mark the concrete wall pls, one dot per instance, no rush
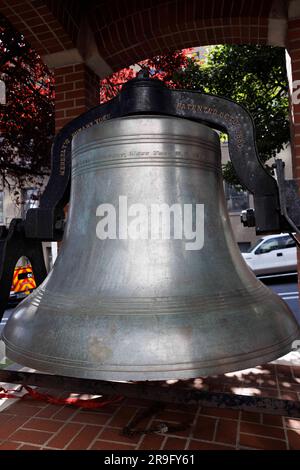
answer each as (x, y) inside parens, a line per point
(10, 211)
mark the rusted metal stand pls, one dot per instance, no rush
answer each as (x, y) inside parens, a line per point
(155, 391)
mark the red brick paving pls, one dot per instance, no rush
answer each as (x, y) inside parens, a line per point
(64, 413)
(293, 423)
(102, 445)
(294, 439)
(220, 412)
(173, 443)
(152, 442)
(85, 417)
(28, 447)
(48, 411)
(198, 445)
(249, 416)
(260, 442)
(115, 435)
(205, 428)
(10, 445)
(262, 430)
(227, 431)
(272, 420)
(39, 424)
(30, 424)
(84, 439)
(65, 435)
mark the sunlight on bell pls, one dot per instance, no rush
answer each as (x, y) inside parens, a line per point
(122, 308)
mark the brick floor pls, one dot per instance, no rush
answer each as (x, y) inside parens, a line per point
(34, 425)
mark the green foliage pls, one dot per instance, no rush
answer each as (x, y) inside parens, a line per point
(253, 76)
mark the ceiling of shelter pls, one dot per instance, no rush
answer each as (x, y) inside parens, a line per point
(110, 34)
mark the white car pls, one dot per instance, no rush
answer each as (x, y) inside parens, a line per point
(272, 254)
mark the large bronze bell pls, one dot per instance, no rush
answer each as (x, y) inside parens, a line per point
(119, 306)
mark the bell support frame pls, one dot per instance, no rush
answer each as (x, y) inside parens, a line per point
(156, 391)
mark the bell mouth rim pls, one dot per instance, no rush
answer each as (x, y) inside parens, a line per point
(129, 373)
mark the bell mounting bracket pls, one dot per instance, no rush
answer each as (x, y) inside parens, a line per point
(277, 203)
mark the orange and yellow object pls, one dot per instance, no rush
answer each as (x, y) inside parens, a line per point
(23, 282)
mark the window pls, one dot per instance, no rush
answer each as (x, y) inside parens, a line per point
(255, 245)
(276, 243)
(30, 199)
(290, 243)
(244, 246)
(236, 200)
(1, 207)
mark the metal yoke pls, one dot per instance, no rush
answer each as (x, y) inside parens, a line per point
(148, 96)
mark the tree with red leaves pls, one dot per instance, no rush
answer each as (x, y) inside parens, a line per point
(27, 118)
(163, 67)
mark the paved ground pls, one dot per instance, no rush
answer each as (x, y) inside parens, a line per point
(5, 318)
(29, 424)
(287, 289)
